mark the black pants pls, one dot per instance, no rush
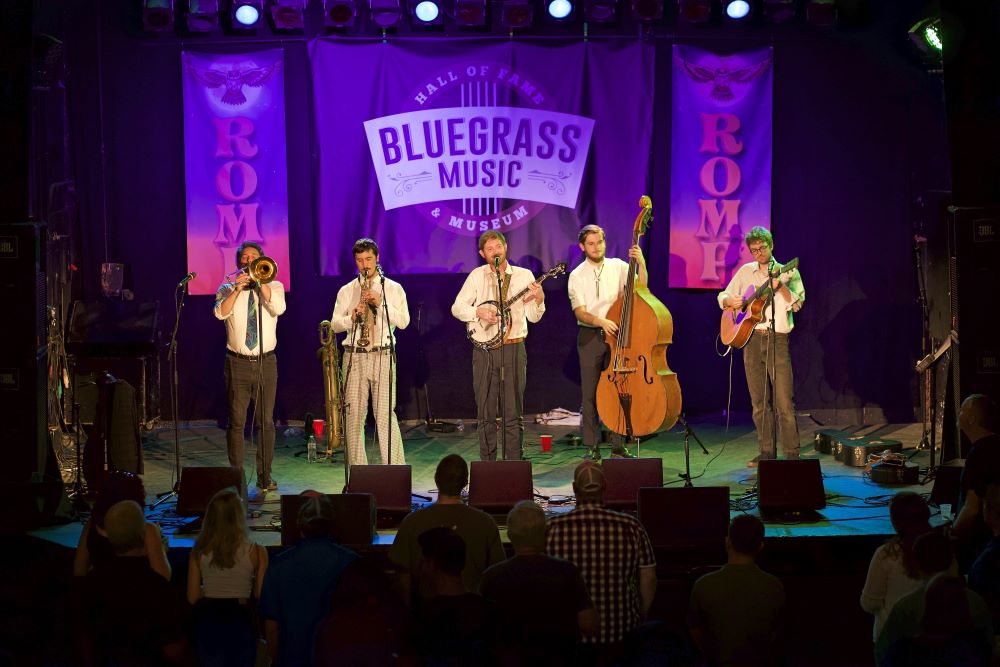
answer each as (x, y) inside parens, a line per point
(242, 380)
(486, 365)
(594, 355)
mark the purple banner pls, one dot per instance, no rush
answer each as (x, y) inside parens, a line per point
(425, 145)
(234, 156)
(720, 174)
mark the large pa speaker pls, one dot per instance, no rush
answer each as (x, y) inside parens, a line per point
(789, 486)
(353, 518)
(199, 484)
(390, 485)
(624, 477)
(948, 484)
(496, 486)
(695, 517)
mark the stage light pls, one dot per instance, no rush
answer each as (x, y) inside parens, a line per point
(647, 10)
(385, 13)
(339, 13)
(247, 14)
(926, 36)
(202, 15)
(288, 14)
(427, 11)
(560, 9)
(737, 9)
(779, 11)
(821, 13)
(516, 14)
(157, 15)
(694, 11)
(470, 12)
(600, 11)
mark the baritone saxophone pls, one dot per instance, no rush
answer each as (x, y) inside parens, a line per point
(332, 394)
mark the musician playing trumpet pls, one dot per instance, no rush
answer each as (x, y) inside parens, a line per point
(481, 285)
(368, 367)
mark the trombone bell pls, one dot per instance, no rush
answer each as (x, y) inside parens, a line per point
(263, 270)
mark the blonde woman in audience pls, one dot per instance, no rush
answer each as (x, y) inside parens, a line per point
(225, 575)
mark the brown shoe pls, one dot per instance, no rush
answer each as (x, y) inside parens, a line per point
(752, 463)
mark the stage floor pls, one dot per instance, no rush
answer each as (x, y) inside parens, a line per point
(855, 505)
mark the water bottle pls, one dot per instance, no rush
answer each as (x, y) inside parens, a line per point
(311, 449)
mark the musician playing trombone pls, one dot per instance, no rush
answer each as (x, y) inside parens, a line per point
(368, 367)
(480, 286)
(767, 363)
(250, 308)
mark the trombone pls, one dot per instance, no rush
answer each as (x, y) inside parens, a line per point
(262, 270)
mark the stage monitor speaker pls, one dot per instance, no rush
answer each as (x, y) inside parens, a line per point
(785, 487)
(391, 485)
(948, 484)
(624, 477)
(496, 486)
(694, 517)
(113, 328)
(114, 441)
(353, 518)
(198, 485)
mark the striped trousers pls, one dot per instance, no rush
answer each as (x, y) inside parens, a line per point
(367, 380)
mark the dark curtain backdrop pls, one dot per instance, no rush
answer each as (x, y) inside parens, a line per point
(858, 138)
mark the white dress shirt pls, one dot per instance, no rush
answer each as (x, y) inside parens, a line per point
(236, 320)
(481, 285)
(348, 298)
(750, 274)
(596, 288)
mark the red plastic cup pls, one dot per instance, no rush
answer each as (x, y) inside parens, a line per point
(546, 442)
(318, 425)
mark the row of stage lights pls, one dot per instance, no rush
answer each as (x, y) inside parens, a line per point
(202, 16)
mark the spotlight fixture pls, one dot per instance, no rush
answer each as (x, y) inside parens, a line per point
(821, 13)
(157, 15)
(339, 13)
(516, 14)
(385, 13)
(288, 14)
(246, 13)
(779, 11)
(647, 10)
(737, 9)
(425, 12)
(202, 15)
(559, 10)
(926, 36)
(694, 11)
(470, 12)
(600, 11)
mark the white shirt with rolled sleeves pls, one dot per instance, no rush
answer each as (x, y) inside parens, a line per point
(597, 289)
(236, 320)
(481, 285)
(750, 274)
(348, 298)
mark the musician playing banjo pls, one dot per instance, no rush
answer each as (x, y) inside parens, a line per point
(759, 366)
(481, 286)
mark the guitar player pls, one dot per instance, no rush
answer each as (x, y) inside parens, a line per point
(766, 357)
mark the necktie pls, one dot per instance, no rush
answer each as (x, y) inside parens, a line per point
(251, 323)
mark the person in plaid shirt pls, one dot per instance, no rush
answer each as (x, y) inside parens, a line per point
(614, 556)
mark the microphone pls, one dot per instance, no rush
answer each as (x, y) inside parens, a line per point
(378, 270)
(188, 278)
(496, 263)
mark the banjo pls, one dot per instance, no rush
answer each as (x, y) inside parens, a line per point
(486, 336)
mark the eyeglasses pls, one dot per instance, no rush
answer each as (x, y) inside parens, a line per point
(758, 250)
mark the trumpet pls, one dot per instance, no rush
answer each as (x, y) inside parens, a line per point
(263, 270)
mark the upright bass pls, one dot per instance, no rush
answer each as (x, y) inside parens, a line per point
(637, 393)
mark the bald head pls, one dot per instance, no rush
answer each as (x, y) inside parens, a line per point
(978, 416)
(125, 525)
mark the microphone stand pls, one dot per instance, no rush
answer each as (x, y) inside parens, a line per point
(771, 370)
(266, 458)
(689, 433)
(503, 337)
(343, 398)
(392, 356)
(175, 392)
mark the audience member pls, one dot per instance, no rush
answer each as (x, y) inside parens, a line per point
(615, 558)
(735, 613)
(984, 575)
(477, 529)
(892, 572)
(225, 574)
(933, 554)
(541, 603)
(454, 625)
(947, 633)
(299, 582)
(131, 614)
(978, 421)
(94, 549)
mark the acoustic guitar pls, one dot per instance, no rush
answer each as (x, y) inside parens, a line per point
(737, 326)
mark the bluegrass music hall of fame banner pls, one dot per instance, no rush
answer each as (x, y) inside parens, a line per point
(235, 162)
(424, 145)
(720, 174)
